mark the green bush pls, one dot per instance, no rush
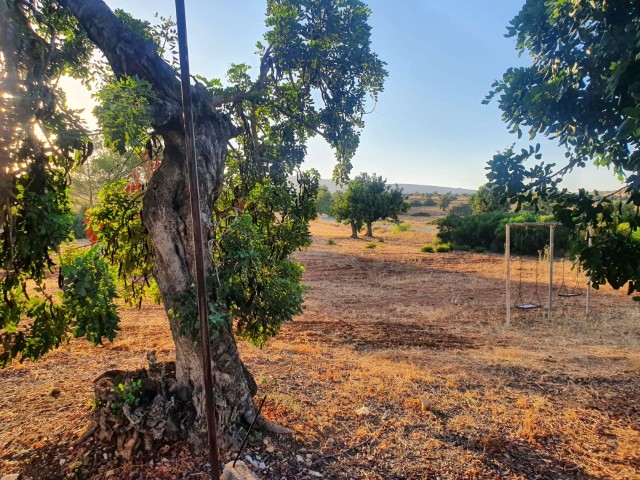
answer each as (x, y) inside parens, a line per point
(487, 230)
(78, 225)
(462, 210)
(463, 248)
(444, 248)
(370, 245)
(479, 249)
(402, 227)
(427, 249)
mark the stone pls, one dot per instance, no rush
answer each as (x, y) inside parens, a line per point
(13, 476)
(239, 472)
(363, 411)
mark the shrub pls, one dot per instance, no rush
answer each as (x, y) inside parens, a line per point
(479, 249)
(444, 248)
(487, 230)
(473, 230)
(427, 249)
(370, 245)
(420, 214)
(462, 210)
(463, 248)
(402, 227)
(78, 225)
(331, 241)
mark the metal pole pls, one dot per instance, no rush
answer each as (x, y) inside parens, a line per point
(198, 244)
(588, 307)
(507, 252)
(552, 230)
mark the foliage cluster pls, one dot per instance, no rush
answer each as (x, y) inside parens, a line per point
(487, 231)
(445, 200)
(426, 200)
(324, 201)
(582, 90)
(402, 227)
(116, 224)
(127, 393)
(84, 307)
(317, 74)
(368, 198)
(488, 198)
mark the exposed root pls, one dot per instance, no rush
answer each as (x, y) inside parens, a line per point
(136, 409)
(90, 430)
(269, 426)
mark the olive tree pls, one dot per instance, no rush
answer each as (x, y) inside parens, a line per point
(316, 73)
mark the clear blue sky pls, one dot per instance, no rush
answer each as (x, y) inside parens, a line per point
(429, 126)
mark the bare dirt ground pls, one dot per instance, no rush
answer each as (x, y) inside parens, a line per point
(400, 368)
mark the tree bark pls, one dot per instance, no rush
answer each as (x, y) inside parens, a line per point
(166, 209)
(369, 230)
(354, 230)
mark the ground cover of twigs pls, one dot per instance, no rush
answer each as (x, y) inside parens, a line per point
(400, 368)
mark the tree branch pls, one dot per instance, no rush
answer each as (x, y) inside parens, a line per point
(129, 54)
(265, 65)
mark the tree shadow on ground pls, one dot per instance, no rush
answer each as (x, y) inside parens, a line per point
(368, 336)
(509, 457)
(617, 396)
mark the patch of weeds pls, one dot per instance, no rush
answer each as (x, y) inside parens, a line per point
(444, 248)
(380, 240)
(268, 381)
(370, 245)
(427, 249)
(331, 241)
(256, 436)
(402, 227)
(127, 393)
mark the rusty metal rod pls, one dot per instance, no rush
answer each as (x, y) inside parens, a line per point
(246, 438)
(198, 244)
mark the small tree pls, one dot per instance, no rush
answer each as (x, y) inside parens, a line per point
(324, 200)
(347, 207)
(392, 204)
(368, 198)
(488, 198)
(445, 201)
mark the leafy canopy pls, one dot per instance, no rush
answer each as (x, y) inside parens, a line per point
(367, 199)
(581, 89)
(317, 76)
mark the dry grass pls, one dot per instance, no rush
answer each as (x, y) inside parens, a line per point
(400, 368)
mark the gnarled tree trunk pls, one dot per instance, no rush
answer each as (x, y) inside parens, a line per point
(166, 208)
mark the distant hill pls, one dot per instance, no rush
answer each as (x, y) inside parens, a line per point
(409, 188)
